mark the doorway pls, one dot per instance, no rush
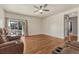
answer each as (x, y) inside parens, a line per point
(70, 26)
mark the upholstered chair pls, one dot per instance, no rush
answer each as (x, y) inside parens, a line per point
(1, 38)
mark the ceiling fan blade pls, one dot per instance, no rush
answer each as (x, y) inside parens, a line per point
(45, 5)
(36, 11)
(41, 12)
(46, 10)
(36, 7)
(40, 7)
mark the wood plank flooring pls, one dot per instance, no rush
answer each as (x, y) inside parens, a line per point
(41, 44)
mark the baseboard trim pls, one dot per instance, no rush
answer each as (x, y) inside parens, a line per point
(45, 35)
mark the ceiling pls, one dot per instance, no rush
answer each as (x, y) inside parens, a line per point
(28, 9)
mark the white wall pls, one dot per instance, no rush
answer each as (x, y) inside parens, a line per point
(34, 25)
(1, 18)
(54, 25)
(33, 22)
(78, 25)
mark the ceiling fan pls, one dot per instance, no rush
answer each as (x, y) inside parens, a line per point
(41, 8)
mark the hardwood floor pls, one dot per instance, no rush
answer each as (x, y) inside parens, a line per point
(41, 44)
(71, 38)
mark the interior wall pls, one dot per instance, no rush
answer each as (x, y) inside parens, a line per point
(78, 25)
(34, 25)
(54, 25)
(1, 18)
(33, 22)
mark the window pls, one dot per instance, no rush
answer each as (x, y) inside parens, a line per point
(15, 27)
